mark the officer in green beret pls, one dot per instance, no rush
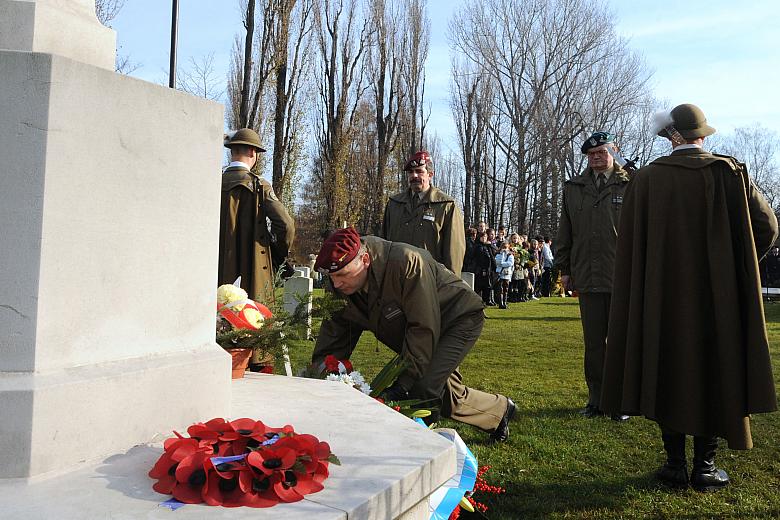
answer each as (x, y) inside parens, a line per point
(247, 248)
(687, 341)
(585, 251)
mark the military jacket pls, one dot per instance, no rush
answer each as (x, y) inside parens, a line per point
(246, 246)
(587, 231)
(434, 224)
(408, 301)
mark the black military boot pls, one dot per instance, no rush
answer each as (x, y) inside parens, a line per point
(705, 476)
(491, 301)
(675, 472)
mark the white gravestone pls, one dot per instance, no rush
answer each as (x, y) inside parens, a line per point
(297, 289)
(107, 247)
(468, 278)
(302, 271)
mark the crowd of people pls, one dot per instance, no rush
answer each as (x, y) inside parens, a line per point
(508, 267)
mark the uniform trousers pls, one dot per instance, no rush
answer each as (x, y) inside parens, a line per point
(443, 381)
(594, 311)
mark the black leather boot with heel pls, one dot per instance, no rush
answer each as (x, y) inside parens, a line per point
(675, 472)
(705, 477)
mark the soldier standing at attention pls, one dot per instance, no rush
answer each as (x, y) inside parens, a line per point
(426, 217)
(585, 252)
(419, 309)
(246, 247)
(687, 339)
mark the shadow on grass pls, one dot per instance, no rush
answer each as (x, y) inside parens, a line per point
(550, 413)
(570, 499)
(534, 318)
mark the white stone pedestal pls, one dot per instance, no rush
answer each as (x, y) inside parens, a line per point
(67, 28)
(390, 464)
(109, 212)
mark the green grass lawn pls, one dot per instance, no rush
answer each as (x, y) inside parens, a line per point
(558, 464)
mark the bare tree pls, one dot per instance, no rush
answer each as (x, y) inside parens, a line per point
(107, 10)
(557, 72)
(415, 45)
(291, 47)
(250, 67)
(758, 148)
(384, 70)
(200, 79)
(341, 41)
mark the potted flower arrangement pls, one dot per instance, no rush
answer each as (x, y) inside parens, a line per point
(242, 327)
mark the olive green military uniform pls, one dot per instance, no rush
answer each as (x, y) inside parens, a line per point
(246, 246)
(586, 239)
(429, 316)
(434, 223)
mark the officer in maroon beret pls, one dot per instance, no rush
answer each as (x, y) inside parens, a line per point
(426, 217)
(419, 309)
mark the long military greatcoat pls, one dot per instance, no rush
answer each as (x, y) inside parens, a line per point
(687, 342)
(246, 246)
(435, 224)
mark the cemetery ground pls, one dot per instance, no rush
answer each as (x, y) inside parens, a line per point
(559, 465)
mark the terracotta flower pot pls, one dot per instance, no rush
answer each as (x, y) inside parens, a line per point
(240, 361)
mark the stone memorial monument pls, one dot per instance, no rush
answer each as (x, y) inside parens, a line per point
(108, 279)
(109, 221)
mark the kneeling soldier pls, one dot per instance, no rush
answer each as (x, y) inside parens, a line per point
(419, 309)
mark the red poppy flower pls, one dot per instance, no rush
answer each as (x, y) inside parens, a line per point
(244, 428)
(294, 485)
(192, 475)
(176, 450)
(211, 430)
(224, 488)
(347, 365)
(258, 489)
(272, 459)
(331, 363)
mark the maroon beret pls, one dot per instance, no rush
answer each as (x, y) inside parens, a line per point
(338, 250)
(421, 158)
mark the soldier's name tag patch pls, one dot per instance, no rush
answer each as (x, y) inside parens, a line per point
(428, 216)
(392, 311)
(617, 199)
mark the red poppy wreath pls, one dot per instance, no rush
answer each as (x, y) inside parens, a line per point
(241, 463)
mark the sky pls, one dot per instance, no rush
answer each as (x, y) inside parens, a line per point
(721, 55)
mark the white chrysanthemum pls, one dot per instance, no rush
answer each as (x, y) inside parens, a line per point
(230, 293)
(332, 377)
(254, 317)
(358, 378)
(364, 387)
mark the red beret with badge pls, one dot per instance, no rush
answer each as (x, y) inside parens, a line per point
(421, 158)
(338, 250)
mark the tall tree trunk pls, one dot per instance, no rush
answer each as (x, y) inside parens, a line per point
(249, 24)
